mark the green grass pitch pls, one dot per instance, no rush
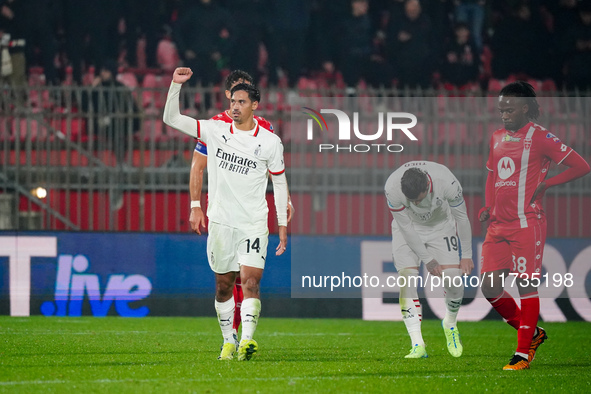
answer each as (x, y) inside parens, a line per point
(170, 355)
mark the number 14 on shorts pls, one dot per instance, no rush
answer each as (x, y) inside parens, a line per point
(254, 245)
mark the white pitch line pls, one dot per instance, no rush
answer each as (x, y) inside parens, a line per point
(239, 379)
(272, 334)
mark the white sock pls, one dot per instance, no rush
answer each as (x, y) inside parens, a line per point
(410, 306)
(225, 311)
(525, 356)
(250, 312)
(453, 296)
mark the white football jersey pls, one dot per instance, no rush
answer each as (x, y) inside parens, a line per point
(434, 210)
(237, 165)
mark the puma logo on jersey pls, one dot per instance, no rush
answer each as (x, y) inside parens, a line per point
(225, 139)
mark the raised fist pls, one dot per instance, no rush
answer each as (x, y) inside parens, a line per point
(182, 74)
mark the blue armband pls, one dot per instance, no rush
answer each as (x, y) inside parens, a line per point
(201, 148)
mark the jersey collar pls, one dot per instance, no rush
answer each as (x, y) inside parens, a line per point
(524, 129)
(254, 132)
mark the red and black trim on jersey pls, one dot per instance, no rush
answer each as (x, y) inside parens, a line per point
(276, 173)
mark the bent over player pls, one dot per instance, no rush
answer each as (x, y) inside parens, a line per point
(430, 225)
(241, 155)
(518, 162)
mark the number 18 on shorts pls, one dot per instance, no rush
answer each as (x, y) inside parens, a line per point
(518, 250)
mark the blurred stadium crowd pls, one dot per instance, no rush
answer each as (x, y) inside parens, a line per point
(453, 44)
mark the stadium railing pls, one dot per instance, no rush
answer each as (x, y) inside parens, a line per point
(138, 181)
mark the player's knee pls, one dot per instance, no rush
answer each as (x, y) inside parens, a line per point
(526, 288)
(453, 283)
(250, 285)
(492, 284)
(490, 291)
(223, 289)
(408, 272)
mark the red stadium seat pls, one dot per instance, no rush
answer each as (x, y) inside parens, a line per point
(128, 79)
(36, 76)
(88, 76)
(26, 128)
(38, 95)
(486, 59)
(6, 130)
(495, 85)
(69, 76)
(167, 55)
(451, 133)
(70, 126)
(140, 50)
(155, 90)
(571, 131)
(153, 130)
(149, 84)
(548, 85)
(537, 84)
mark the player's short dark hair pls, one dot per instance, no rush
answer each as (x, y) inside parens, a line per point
(253, 92)
(414, 182)
(525, 90)
(236, 76)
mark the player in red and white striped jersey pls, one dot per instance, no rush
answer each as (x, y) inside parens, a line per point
(518, 162)
(199, 164)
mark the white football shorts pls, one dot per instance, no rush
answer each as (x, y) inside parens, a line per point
(228, 248)
(442, 242)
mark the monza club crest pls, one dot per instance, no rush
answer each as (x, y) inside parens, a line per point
(527, 143)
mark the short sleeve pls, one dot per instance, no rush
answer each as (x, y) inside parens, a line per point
(395, 204)
(276, 164)
(393, 207)
(554, 148)
(453, 192)
(204, 127)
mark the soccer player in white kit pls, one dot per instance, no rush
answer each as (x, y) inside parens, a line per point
(241, 154)
(429, 213)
